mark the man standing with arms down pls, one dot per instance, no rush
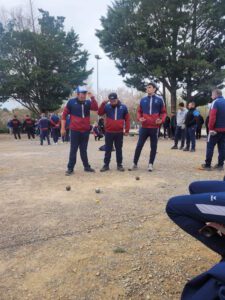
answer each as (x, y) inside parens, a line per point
(79, 110)
(117, 120)
(180, 129)
(216, 131)
(151, 113)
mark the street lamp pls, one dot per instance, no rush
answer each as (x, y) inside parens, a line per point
(97, 58)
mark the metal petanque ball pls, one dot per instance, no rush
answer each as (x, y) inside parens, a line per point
(137, 178)
(68, 187)
(97, 190)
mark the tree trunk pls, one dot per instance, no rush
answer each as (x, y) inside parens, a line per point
(173, 93)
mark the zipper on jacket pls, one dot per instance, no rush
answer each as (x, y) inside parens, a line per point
(150, 106)
(82, 107)
(116, 113)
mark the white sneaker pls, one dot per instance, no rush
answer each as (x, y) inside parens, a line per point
(150, 167)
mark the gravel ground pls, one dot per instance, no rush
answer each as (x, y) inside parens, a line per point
(77, 244)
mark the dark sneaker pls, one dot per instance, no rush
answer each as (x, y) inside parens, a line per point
(174, 147)
(120, 168)
(69, 172)
(133, 168)
(104, 168)
(89, 169)
(205, 167)
(185, 149)
(218, 167)
(192, 150)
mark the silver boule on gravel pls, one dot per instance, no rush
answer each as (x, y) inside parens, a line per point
(137, 178)
(97, 191)
(68, 187)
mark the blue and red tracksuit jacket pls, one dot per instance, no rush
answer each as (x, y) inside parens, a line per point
(117, 117)
(15, 123)
(217, 115)
(79, 113)
(55, 121)
(151, 108)
(28, 123)
(44, 124)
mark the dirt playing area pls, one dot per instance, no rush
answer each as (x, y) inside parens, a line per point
(118, 244)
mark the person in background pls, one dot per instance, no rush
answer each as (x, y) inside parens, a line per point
(191, 125)
(216, 131)
(180, 129)
(66, 137)
(166, 127)
(15, 124)
(200, 122)
(44, 127)
(28, 126)
(173, 125)
(55, 127)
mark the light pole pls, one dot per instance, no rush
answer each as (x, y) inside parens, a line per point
(97, 58)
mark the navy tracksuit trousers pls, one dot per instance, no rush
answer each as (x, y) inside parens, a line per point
(78, 140)
(44, 134)
(55, 134)
(205, 204)
(116, 139)
(144, 133)
(218, 139)
(190, 137)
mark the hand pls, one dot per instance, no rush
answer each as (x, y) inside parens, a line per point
(90, 94)
(212, 132)
(158, 121)
(142, 119)
(63, 132)
(126, 133)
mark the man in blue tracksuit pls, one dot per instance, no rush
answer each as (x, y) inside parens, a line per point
(206, 203)
(55, 127)
(151, 113)
(117, 125)
(191, 126)
(216, 131)
(44, 126)
(79, 110)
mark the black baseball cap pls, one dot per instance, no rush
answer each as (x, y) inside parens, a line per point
(112, 96)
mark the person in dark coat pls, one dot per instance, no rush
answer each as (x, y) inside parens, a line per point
(200, 122)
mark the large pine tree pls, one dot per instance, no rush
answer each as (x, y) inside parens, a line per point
(179, 42)
(39, 69)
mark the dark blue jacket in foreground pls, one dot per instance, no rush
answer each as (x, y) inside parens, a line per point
(207, 286)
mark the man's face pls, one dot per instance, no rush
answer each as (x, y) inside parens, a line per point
(214, 96)
(181, 107)
(114, 102)
(191, 105)
(82, 96)
(150, 90)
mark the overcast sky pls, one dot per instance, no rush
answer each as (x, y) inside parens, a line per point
(84, 17)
